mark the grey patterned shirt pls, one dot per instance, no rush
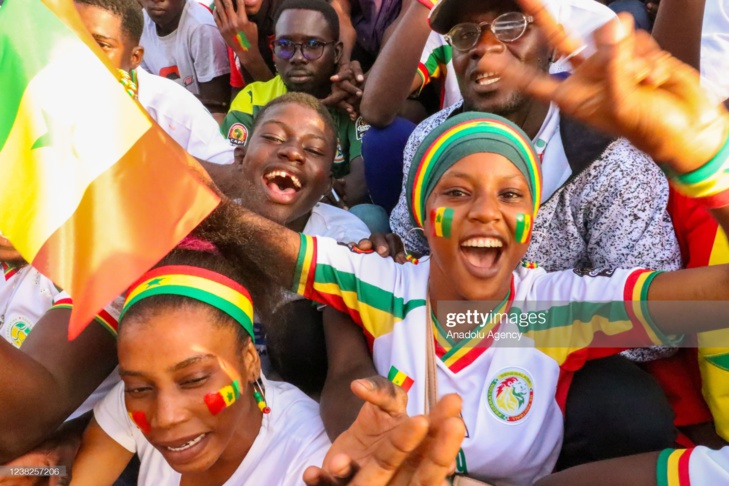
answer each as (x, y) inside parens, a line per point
(612, 215)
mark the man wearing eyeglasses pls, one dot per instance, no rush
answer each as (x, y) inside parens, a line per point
(306, 53)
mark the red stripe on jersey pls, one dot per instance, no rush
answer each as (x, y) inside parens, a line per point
(684, 478)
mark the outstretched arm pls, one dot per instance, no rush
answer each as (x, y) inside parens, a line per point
(631, 88)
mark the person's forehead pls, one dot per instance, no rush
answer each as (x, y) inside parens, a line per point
(295, 116)
(100, 21)
(308, 23)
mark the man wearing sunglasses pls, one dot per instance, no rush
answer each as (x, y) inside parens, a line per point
(306, 53)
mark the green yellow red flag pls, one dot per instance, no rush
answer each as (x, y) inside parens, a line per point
(93, 192)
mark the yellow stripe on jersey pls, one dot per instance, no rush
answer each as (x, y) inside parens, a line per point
(375, 321)
(304, 265)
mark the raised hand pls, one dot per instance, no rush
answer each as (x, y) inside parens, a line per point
(630, 88)
(242, 36)
(386, 447)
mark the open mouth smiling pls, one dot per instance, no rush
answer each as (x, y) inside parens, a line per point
(482, 254)
(283, 186)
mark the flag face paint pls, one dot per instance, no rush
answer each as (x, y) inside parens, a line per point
(400, 379)
(223, 398)
(140, 418)
(442, 221)
(523, 227)
(242, 41)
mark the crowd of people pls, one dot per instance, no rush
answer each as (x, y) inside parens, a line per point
(462, 241)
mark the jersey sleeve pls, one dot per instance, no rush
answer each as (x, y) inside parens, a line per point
(594, 313)
(111, 414)
(350, 135)
(238, 123)
(366, 286)
(436, 55)
(108, 317)
(209, 53)
(699, 465)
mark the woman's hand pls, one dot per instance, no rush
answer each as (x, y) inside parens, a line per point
(386, 447)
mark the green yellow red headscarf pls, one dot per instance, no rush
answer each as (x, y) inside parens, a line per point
(196, 283)
(463, 135)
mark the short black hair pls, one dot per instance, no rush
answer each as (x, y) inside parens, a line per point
(130, 12)
(307, 101)
(322, 6)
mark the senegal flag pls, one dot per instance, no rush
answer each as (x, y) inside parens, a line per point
(93, 192)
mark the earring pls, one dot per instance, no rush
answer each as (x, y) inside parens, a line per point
(523, 227)
(408, 256)
(442, 220)
(260, 395)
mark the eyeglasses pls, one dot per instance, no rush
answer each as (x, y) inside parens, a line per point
(311, 49)
(507, 27)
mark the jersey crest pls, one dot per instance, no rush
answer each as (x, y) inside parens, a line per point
(510, 395)
(361, 127)
(238, 134)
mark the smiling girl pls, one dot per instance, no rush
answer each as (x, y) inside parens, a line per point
(195, 408)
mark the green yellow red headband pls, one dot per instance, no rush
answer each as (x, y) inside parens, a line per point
(460, 136)
(196, 283)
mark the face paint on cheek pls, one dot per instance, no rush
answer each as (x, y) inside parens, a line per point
(223, 398)
(523, 227)
(442, 221)
(140, 418)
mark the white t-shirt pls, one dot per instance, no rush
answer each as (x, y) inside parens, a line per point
(194, 53)
(715, 48)
(333, 222)
(184, 118)
(25, 296)
(291, 438)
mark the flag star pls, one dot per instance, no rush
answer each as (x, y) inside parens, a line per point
(155, 282)
(58, 134)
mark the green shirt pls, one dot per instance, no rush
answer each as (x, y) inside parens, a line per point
(238, 124)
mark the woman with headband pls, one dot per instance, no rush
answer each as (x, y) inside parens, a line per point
(195, 407)
(474, 192)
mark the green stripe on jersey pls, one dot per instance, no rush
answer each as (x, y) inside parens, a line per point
(366, 293)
